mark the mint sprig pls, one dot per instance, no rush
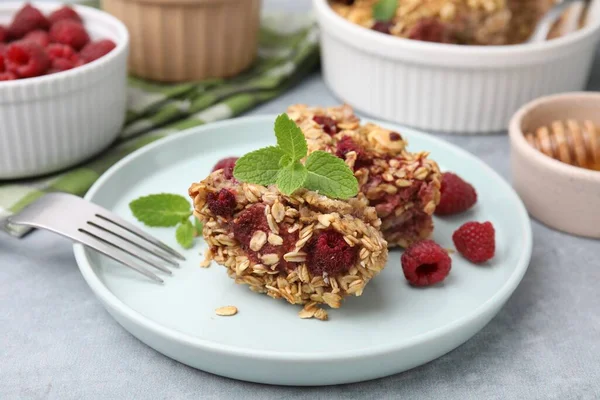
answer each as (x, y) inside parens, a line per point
(281, 165)
(385, 10)
(168, 210)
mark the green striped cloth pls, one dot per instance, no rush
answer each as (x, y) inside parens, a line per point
(288, 51)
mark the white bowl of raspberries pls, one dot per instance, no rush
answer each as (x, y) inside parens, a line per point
(63, 80)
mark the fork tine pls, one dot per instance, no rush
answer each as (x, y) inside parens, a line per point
(166, 257)
(90, 240)
(110, 238)
(138, 232)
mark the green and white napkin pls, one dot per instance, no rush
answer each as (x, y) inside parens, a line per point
(288, 51)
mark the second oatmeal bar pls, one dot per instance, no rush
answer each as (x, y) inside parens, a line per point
(403, 187)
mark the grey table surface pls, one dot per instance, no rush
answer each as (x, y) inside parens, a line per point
(58, 342)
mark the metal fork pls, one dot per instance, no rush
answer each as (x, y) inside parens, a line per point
(99, 229)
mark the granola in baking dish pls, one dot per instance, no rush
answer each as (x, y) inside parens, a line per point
(305, 248)
(474, 22)
(403, 187)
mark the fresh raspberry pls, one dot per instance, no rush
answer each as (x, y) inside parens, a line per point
(383, 27)
(62, 57)
(40, 37)
(3, 47)
(94, 50)
(69, 32)
(250, 220)
(328, 124)
(222, 203)
(26, 20)
(26, 59)
(425, 263)
(430, 30)
(65, 12)
(475, 241)
(7, 76)
(227, 165)
(328, 252)
(3, 34)
(456, 195)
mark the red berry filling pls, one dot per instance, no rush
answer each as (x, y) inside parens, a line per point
(457, 196)
(476, 241)
(94, 50)
(227, 165)
(383, 27)
(65, 12)
(425, 263)
(39, 37)
(430, 30)
(347, 145)
(328, 124)
(395, 136)
(69, 32)
(26, 59)
(26, 20)
(222, 203)
(329, 253)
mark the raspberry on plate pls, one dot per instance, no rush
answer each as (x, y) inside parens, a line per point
(475, 241)
(62, 57)
(3, 34)
(26, 59)
(62, 13)
(69, 32)
(425, 263)
(39, 36)
(26, 20)
(94, 50)
(457, 196)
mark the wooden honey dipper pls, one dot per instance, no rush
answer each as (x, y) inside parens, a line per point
(572, 142)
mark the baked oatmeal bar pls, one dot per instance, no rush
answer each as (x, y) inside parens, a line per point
(474, 22)
(305, 248)
(403, 187)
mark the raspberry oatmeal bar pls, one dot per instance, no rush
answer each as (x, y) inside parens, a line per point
(306, 248)
(403, 187)
(474, 22)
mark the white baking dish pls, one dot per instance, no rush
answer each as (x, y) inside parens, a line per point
(445, 87)
(54, 121)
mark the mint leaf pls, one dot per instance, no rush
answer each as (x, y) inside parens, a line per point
(291, 178)
(161, 209)
(385, 10)
(330, 176)
(290, 138)
(260, 166)
(185, 234)
(198, 226)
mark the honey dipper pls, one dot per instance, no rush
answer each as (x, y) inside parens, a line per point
(572, 142)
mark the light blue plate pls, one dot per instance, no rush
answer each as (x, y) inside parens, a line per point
(391, 328)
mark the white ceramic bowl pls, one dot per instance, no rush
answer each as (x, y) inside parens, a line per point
(560, 195)
(443, 87)
(52, 122)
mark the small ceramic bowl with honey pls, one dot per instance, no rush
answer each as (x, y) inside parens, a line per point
(555, 161)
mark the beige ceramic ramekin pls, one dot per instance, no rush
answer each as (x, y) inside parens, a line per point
(182, 40)
(561, 196)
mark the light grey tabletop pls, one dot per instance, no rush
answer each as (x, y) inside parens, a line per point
(58, 342)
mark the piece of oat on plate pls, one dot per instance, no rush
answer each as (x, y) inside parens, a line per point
(403, 187)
